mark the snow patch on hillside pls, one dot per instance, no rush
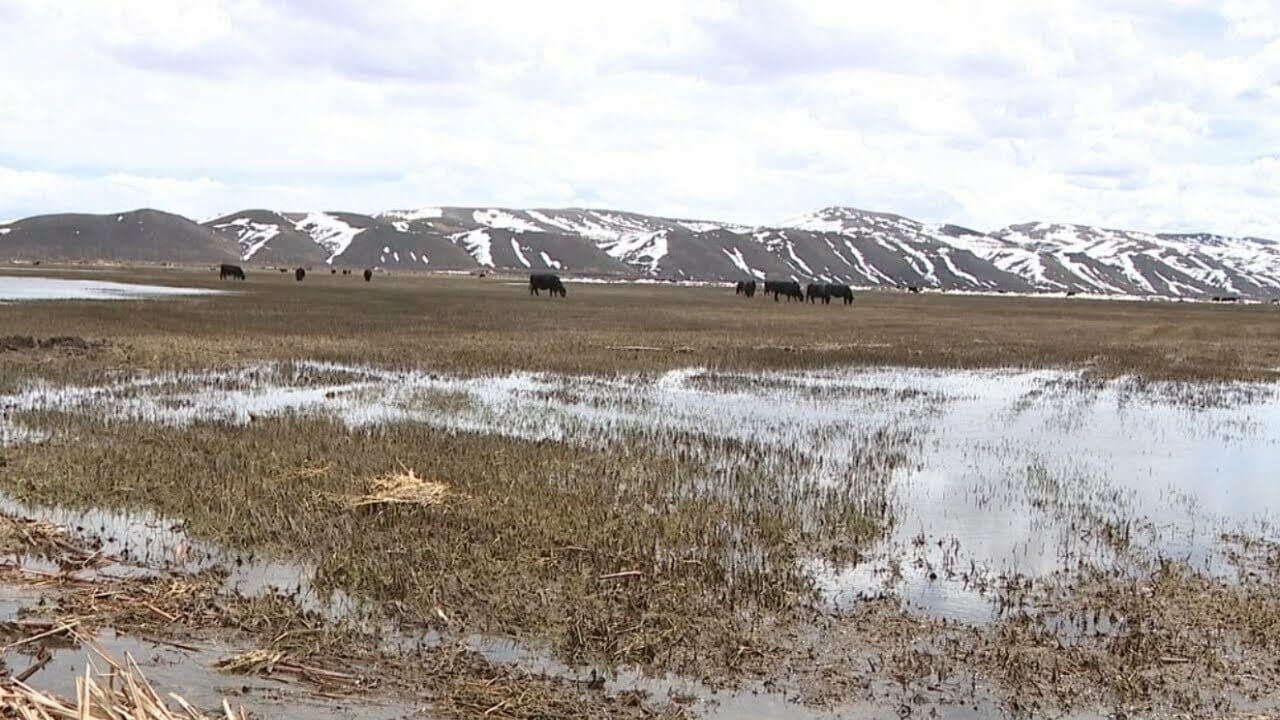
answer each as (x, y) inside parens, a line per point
(515, 248)
(329, 232)
(740, 262)
(252, 236)
(646, 249)
(550, 261)
(476, 242)
(503, 220)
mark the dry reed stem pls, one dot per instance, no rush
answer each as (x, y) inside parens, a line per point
(121, 692)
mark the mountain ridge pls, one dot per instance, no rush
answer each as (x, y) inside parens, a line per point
(833, 244)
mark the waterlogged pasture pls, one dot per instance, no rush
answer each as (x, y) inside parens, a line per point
(866, 540)
(979, 475)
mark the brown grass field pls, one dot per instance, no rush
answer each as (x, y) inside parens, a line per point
(469, 324)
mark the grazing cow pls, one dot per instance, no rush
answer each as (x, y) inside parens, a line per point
(333, 271)
(745, 287)
(1071, 293)
(299, 274)
(230, 271)
(790, 288)
(546, 281)
(817, 291)
(368, 274)
(913, 289)
(837, 290)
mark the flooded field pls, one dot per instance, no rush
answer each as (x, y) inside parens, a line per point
(942, 523)
(22, 289)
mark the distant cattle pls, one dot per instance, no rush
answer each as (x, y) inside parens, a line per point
(333, 271)
(815, 292)
(368, 274)
(745, 287)
(913, 289)
(837, 290)
(284, 270)
(790, 288)
(230, 271)
(1072, 293)
(299, 274)
(546, 281)
(1226, 298)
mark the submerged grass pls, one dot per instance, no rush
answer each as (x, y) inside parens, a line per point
(637, 554)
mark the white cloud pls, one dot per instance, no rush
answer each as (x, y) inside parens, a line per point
(1154, 115)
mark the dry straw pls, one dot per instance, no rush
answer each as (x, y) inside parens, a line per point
(403, 487)
(119, 693)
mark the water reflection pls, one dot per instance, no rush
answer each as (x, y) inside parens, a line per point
(19, 289)
(1009, 475)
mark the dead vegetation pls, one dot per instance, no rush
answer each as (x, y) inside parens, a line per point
(472, 325)
(120, 692)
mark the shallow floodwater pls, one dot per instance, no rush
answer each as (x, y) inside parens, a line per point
(19, 289)
(1004, 475)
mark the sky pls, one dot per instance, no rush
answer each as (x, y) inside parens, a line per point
(1159, 115)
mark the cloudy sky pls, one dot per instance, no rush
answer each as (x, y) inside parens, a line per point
(1148, 114)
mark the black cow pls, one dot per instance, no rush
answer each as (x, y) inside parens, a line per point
(299, 274)
(817, 291)
(790, 288)
(546, 281)
(1226, 298)
(746, 287)
(230, 271)
(333, 271)
(913, 289)
(368, 274)
(837, 290)
(284, 270)
(1071, 293)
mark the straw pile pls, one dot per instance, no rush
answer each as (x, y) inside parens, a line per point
(120, 693)
(399, 488)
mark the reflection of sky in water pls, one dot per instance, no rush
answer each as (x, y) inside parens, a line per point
(1014, 474)
(18, 289)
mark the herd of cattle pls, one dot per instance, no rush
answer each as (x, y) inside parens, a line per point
(791, 290)
(235, 272)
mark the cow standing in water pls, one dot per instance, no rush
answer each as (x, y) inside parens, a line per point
(299, 274)
(546, 281)
(230, 271)
(836, 290)
(818, 291)
(368, 274)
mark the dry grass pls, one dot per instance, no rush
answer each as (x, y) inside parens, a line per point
(402, 487)
(472, 325)
(121, 692)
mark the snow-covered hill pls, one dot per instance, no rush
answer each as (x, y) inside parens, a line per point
(843, 244)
